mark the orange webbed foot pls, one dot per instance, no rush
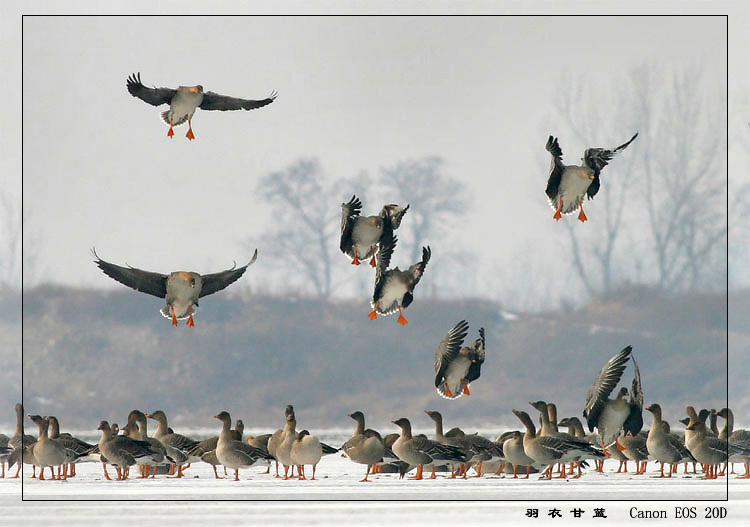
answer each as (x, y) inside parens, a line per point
(190, 321)
(372, 315)
(448, 392)
(356, 261)
(170, 133)
(372, 260)
(466, 388)
(557, 215)
(190, 134)
(401, 319)
(582, 216)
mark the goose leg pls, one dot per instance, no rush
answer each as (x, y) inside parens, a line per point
(355, 261)
(236, 474)
(557, 215)
(189, 133)
(190, 321)
(582, 215)
(366, 474)
(174, 317)
(401, 319)
(170, 133)
(374, 313)
(433, 476)
(466, 387)
(746, 475)
(314, 467)
(372, 260)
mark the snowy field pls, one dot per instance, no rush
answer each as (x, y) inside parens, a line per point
(88, 499)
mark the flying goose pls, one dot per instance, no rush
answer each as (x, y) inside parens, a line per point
(569, 184)
(365, 446)
(184, 100)
(236, 454)
(420, 451)
(608, 416)
(181, 289)
(394, 289)
(456, 366)
(362, 235)
(306, 450)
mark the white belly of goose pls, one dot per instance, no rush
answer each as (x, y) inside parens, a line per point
(574, 183)
(455, 372)
(392, 295)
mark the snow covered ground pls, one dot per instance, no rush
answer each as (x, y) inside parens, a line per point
(88, 499)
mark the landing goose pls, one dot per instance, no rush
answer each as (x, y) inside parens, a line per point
(236, 454)
(181, 289)
(569, 184)
(361, 448)
(394, 289)
(456, 366)
(306, 450)
(608, 416)
(421, 451)
(362, 235)
(184, 100)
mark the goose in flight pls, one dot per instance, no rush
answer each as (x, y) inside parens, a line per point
(394, 288)
(181, 289)
(362, 235)
(569, 184)
(456, 366)
(184, 100)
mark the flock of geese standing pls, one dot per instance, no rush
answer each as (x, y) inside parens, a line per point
(618, 421)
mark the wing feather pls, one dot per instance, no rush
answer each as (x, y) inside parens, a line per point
(448, 349)
(603, 385)
(349, 213)
(634, 422)
(475, 368)
(154, 96)
(217, 281)
(143, 281)
(381, 270)
(556, 168)
(214, 101)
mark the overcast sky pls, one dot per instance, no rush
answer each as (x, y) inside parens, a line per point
(358, 93)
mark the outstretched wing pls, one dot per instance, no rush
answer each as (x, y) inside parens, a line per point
(392, 215)
(597, 159)
(154, 96)
(143, 281)
(217, 281)
(384, 260)
(416, 271)
(214, 101)
(349, 212)
(556, 168)
(448, 349)
(634, 422)
(603, 385)
(475, 368)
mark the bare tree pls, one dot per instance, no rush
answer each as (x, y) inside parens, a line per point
(674, 179)
(303, 236)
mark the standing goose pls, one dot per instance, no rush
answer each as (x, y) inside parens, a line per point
(394, 289)
(122, 451)
(456, 366)
(306, 450)
(661, 445)
(184, 100)
(80, 447)
(362, 235)
(206, 449)
(634, 448)
(515, 453)
(284, 449)
(275, 440)
(177, 445)
(608, 416)
(236, 454)
(735, 437)
(18, 442)
(138, 424)
(458, 441)
(711, 451)
(181, 289)
(420, 451)
(364, 448)
(569, 184)
(50, 452)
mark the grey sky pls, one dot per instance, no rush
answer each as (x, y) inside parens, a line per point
(357, 93)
